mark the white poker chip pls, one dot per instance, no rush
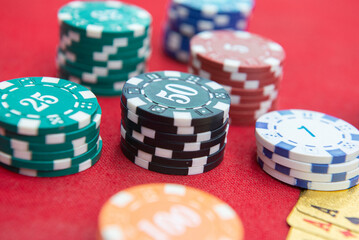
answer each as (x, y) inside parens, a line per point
(308, 167)
(308, 136)
(308, 176)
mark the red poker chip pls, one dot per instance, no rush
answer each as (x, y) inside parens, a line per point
(236, 51)
(241, 122)
(210, 69)
(248, 84)
(237, 108)
(237, 99)
(249, 114)
(264, 91)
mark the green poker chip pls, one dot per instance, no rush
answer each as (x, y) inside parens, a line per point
(40, 105)
(103, 59)
(9, 143)
(105, 91)
(7, 153)
(116, 86)
(82, 166)
(71, 35)
(56, 138)
(84, 48)
(92, 78)
(104, 19)
(123, 67)
(52, 165)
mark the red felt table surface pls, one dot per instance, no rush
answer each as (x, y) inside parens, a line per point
(321, 73)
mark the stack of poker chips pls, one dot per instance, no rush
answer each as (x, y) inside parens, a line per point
(247, 65)
(187, 18)
(184, 213)
(308, 149)
(102, 44)
(174, 122)
(49, 127)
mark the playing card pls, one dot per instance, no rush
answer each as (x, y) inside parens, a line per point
(318, 227)
(296, 234)
(340, 208)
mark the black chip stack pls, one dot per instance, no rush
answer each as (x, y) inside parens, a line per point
(174, 122)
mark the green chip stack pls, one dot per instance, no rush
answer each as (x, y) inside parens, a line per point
(49, 127)
(102, 44)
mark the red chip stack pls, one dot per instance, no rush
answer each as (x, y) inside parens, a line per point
(247, 65)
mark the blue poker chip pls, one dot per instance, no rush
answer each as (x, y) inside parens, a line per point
(308, 136)
(191, 26)
(176, 98)
(312, 185)
(180, 56)
(212, 8)
(176, 45)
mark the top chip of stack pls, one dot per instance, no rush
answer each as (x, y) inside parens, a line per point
(174, 122)
(49, 127)
(308, 149)
(247, 65)
(132, 215)
(102, 44)
(187, 18)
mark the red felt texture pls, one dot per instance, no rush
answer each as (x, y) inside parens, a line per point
(320, 73)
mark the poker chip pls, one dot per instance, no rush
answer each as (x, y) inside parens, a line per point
(308, 167)
(8, 143)
(312, 185)
(163, 136)
(132, 153)
(102, 44)
(194, 214)
(192, 146)
(174, 122)
(58, 173)
(144, 122)
(247, 65)
(57, 164)
(317, 177)
(172, 170)
(46, 155)
(176, 98)
(187, 18)
(308, 149)
(49, 127)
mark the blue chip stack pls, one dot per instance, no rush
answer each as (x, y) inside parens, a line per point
(186, 18)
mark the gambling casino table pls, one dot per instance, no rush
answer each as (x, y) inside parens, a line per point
(320, 73)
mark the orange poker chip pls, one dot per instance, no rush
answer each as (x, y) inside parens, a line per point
(166, 212)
